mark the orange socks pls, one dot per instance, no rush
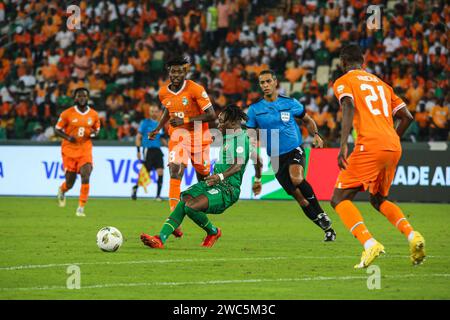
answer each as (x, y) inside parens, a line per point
(354, 222)
(174, 193)
(84, 194)
(395, 216)
(64, 188)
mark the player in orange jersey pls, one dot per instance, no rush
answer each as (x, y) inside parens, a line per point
(188, 110)
(77, 126)
(372, 106)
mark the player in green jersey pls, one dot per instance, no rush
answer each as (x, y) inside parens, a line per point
(219, 191)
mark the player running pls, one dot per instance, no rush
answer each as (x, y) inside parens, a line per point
(188, 110)
(77, 126)
(371, 104)
(153, 156)
(276, 115)
(217, 192)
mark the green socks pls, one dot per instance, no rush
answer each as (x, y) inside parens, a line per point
(173, 221)
(201, 220)
(177, 216)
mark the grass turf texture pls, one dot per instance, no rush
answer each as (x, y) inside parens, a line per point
(269, 250)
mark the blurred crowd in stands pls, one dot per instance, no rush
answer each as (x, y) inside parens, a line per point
(119, 49)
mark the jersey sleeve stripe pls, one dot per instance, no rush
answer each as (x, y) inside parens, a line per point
(401, 105)
(345, 95)
(58, 127)
(207, 106)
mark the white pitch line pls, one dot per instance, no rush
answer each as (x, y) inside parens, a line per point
(218, 282)
(57, 265)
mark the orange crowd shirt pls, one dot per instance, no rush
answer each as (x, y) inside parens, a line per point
(188, 102)
(375, 105)
(79, 125)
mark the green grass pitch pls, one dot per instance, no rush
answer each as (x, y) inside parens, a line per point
(269, 250)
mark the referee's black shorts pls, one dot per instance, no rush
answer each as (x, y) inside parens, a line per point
(153, 158)
(295, 156)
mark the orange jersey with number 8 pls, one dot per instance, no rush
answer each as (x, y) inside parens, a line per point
(375, 105)
(80, 126)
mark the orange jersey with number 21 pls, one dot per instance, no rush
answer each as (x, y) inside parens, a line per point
(375, 104)
(377, 151)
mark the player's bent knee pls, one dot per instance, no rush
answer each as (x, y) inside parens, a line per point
(376, 201)
(296, 181)
(186, 198)
(335, 200)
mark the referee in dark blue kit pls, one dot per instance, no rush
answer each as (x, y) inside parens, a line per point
(153, 156)
(274, 115)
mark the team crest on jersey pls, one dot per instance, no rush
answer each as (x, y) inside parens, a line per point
(340, 88)
(184, 101)
(204, 95)
(213, 191)
(285, 116)
(89, 121)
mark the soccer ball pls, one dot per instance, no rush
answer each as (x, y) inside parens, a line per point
(109, 239)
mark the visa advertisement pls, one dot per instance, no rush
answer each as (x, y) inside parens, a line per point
(37, 171)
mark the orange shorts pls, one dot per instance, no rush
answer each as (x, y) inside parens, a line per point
(373, 171)
(73, 164)
(181, 153)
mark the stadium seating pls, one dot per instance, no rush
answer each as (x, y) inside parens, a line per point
(322, 75)
(37, 50)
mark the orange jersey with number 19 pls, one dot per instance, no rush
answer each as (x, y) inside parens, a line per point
(375, 104)
(188, 102)
(79, 125)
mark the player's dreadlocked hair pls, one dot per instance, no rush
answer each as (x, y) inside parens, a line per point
(234, 114)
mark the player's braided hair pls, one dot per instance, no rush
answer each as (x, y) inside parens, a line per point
(234, 114)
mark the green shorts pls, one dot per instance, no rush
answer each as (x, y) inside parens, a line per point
(220, 197)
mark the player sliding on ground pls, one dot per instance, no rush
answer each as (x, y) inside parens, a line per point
(371, 104)
(77, 126)
(217, 192)
(188, 109)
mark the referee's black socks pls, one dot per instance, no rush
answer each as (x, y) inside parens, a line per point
(314, 211)
(160, 183)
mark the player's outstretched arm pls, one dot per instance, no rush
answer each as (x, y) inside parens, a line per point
(63, 135)
(348, 110)
(405, 118)
(312, 129)
(162, 122)
(216, 178)
(138, 143)
(257, 185)
(209, 115)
